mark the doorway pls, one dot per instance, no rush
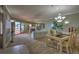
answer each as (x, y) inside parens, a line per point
(19, 27)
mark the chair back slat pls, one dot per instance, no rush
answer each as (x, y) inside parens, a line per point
(73, 36)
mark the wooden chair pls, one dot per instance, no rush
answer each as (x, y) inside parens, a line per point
(74, 36)
(68, 44)
(71, 43)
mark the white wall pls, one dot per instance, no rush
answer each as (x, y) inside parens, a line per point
(73, 19)
(6, 28)
(0, 24)
(48, 26)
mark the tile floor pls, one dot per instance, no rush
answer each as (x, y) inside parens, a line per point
(24, 44)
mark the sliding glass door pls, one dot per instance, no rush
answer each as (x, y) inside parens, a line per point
(19, 27)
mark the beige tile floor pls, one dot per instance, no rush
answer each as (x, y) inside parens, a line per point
(28, 45)
(34, 46)
(17, 49)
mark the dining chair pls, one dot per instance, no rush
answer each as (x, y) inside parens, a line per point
(74, 36)
(67, 43)
(71, 43)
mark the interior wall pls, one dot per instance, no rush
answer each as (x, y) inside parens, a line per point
(1, 32)
(1, 29)
(1, 24)
(6, 28)
(48, 25)
(73, 22)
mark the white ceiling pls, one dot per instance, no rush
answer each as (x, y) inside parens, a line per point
(40, 13)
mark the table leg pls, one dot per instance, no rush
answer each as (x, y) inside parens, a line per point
(60, 51)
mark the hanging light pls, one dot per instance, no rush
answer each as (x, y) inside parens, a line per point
(59, 18)
(66, 22)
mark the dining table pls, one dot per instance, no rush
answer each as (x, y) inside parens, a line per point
(60, 40)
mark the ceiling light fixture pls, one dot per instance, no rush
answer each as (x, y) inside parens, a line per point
(66, 22)
(59, 18)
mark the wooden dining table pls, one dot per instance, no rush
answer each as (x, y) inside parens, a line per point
(60, 40)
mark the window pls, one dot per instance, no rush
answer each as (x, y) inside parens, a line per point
(22, 27)
(17, 27)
